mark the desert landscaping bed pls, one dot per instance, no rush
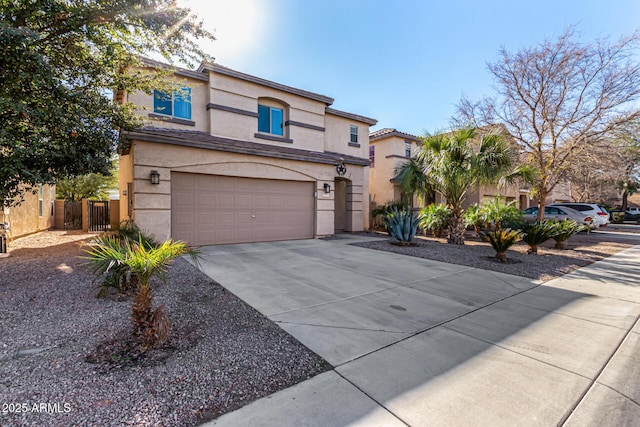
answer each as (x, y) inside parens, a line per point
(550, 263)
(62, 347)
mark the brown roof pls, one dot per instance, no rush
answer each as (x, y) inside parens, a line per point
(389, 132)
(196, 139)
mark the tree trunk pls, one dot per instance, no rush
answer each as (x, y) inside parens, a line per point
(542, 196)
(456, 228)
(502, 256)
(560, 244)
(533, 249)
(625, 200)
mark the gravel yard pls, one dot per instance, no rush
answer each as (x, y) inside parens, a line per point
(582, 249)
(66, 358)
(62, 347)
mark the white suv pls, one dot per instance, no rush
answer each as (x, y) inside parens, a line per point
(601, 218)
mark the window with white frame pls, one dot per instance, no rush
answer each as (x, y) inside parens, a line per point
(407, 149)
(353, 130)
(372, 156)
(174, 104)
(271, 120)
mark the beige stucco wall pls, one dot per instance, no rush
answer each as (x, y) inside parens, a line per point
(337, 136)
(199, 101)
(240, 94)
(125, 175)
(25, 219)
(152, 203)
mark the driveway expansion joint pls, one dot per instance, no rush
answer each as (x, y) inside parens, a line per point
(339, 327)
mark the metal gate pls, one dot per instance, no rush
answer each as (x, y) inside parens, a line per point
(98, 216)
(73, 215)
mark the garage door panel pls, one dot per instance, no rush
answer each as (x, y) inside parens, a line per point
(211, 209)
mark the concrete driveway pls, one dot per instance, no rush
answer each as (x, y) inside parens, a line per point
(418, 342)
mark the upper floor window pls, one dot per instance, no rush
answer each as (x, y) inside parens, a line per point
(372, 155)
(407, 149)
(174, 104)
(270, 120)
(353, 130)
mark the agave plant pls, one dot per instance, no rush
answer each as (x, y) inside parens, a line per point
(380, 212)
(501, 240)
(565, 229)
(402, 225)
(538, 233)
(435, 218)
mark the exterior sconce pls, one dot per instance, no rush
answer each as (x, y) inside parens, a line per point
(327, 188)
(155, 177)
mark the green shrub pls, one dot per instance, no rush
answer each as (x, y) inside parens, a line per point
(473, 217)
(538, 233)
(402, 226)
(618, 217)
(565, 229)
(501, 240)
(435, 218)
(497, 214)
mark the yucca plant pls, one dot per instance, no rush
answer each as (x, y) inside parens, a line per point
(538, 233)
(435, 218)
(565, 229)
(402, 226)
(501, 240)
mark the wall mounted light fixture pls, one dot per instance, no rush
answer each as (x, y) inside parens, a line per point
(155, 177)
(327, 188)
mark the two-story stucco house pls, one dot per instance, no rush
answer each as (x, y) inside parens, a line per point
(233, 158)
(389, 148)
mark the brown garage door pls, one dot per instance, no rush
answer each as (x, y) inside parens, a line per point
(213, 210)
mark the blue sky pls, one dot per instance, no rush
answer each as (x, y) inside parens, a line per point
(404, 63)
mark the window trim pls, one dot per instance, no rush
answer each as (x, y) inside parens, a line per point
(175, 118)
(352, 134)
(372, 156)
(407, 149)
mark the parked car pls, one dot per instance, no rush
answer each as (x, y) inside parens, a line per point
(559, 213)
(627, 215)
(633, 210)
(600, 216)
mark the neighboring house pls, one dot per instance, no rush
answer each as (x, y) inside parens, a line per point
(35, 212)
(234, 158)
(389, 148)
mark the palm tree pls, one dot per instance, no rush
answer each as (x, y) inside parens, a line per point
(457, 162)
(410, 177)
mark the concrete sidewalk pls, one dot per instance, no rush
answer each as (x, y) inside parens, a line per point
(418, 342)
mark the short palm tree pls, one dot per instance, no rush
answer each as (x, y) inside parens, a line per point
(565, 229)
(501, 240)
(538, 233)
(456, 163)
(142, 261)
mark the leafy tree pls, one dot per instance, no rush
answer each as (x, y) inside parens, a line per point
(93, 186)
(57, 57)
(457, 162)
(558, 96)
